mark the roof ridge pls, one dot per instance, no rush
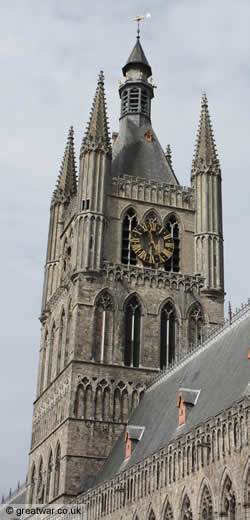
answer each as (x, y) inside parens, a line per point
(239, 314)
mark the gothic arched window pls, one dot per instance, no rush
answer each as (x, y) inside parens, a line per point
(51, 352)
(57, 471)
(43, 360)
(186, 511)
(60, 342)
(173, 264)
(68, 333)
(168, 512)
(228, 501)
(129, 223)
(32, 484)
(168, 335)
(49, 474)
(40, 484)
(206, 505)
(79, 402)
(132, 332)
(104, 325)
(195, 325)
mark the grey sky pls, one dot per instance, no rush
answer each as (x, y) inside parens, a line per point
(51, 52)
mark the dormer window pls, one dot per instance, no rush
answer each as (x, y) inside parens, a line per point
(187, 398)
(132, 436)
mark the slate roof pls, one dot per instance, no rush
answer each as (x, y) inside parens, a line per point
(133, 155)
(220, 369)
(137, 57)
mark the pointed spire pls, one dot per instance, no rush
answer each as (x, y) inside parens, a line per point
(138, 58)
(97, 134)
(168, 155)
(205, 154)
(67, 180)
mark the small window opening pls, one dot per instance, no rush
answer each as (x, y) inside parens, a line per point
(83, 205)
(87, 204)
(148, 136)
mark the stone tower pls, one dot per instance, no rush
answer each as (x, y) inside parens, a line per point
(110, 321)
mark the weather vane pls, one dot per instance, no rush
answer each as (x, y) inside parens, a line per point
(138, 19)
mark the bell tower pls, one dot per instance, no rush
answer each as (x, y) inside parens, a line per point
(111, 321)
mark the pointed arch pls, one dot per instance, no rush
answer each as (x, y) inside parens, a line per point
(32, 484)
(57, 470)
(60, 342)
(167, 510)
(132, 331)
(79, 402)
(172, 225)
(228, 498)
(98, 404)
(125, 406)
(206, 510)
(195, 325)
(106, 404)
(40, 483)
(88, 402)
(117, 405)
(49, 476)
(246, 489)
(168, 334)
(152, 215)
(44, 354)
(104, 327)
(151, 514)
(129, 223)
(51, 351)
(186, 509)
(68, 332)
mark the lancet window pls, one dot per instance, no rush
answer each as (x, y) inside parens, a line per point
(49, 475)
(168, 513)
(40, 484)
(129, 223)
(186, 512)
(104, 324)
(43, 360)
(51, 351)
(168, 335)
(173, 264)
(228, 502)
(68, 333)
(32, 485)
(60, 343)
(195, 325)
(57, 471)
(206, 505)
(132, 332)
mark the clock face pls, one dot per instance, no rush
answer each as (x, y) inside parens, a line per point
(152, 243)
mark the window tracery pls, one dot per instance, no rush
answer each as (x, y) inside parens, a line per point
(228, 502)
(195, 325)
(168, 335)
(132, 332)
(173, 264)
(206, 506)
(129, 223)
(168, 513)
(186, 513)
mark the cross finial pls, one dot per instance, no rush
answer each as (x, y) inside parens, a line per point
(138, 19)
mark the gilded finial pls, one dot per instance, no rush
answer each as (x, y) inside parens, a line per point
(138, 19)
